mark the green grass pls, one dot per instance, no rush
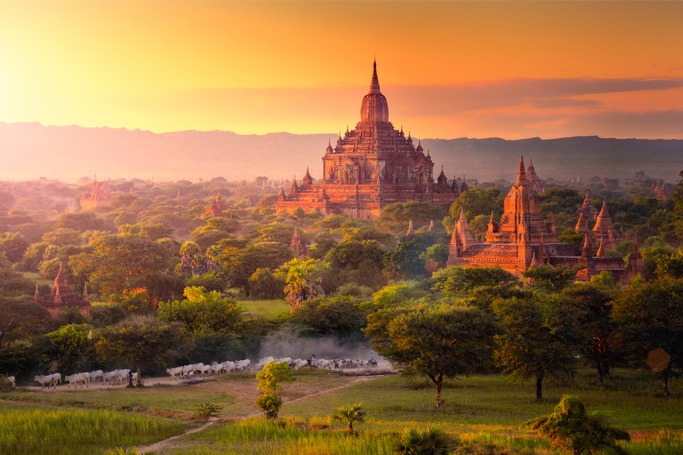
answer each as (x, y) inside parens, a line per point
(262, 437)
(74, 432)
(482, 411)
(169, 400)
(269, 309)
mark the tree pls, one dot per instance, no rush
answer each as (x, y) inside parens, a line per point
(269, 380)
(139, 341)
(439, 341)
(21, 319)
(649, 317)
(570, 427)
(13, 245)
(405, 260)
(462, 280)
(126, 262)
(71, 347)
(595, 306)
(550, 279)
(350, 415)
(354, 261)
(202, 312)
(302, 278)
(541, 338)
(263, 284)
(399, 214)
(331, 315)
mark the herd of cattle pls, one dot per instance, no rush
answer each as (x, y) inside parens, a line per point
(229, 366)
(121, 377)
(115, 377)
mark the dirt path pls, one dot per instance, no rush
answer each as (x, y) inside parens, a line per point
(172, 441)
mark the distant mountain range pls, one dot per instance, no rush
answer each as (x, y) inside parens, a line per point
(31, 150)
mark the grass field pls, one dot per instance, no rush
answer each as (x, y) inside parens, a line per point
(482, 411)
(269, 309)
(74, 432)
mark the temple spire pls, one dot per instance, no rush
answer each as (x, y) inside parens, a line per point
(374, 85)
(521, 172)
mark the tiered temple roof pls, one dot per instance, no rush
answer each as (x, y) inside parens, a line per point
(369, 167)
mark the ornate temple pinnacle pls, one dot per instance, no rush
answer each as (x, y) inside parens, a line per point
(521, 172)
(374, 85)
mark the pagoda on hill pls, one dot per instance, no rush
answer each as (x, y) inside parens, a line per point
(370, 167)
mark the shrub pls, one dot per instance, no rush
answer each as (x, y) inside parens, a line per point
(424, 442)
(206, 410)
(270, 403)
(5, 385)
(570, 427)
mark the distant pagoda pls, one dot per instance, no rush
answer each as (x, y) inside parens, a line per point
(99, 195)
(62, 298)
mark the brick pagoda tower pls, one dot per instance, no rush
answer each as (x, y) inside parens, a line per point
(370, 167)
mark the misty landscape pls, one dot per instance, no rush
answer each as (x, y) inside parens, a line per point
(72, 152)
(341, 228)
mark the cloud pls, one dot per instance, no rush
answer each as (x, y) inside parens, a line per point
(552, 103)
(508, 108)
(541, 93)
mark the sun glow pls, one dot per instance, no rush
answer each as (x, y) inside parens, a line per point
(256, 67)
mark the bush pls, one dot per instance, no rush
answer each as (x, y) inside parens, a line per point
(570, 427)
(270, 403)
(424, 442)
(206, 410)
(5, 385)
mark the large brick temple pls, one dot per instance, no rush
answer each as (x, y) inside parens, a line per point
(369, 168)
(524, 239)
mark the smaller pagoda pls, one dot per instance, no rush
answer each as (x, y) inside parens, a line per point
(100, 195)
(62, 297)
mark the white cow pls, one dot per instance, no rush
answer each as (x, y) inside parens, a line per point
(48, 380)
(77, 379)
(176, 372)
(242, 365)
(12, 381)
(95, 375)
(299, 363)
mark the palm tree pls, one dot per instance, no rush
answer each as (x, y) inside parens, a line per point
(351, 414)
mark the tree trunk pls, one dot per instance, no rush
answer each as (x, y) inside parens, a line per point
(601, 371)
(539, 387)
(438, 380)
(667, 391)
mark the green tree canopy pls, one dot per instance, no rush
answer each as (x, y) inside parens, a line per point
(439, 341)
(649, 316)
(139, 341)
(462, 280)
(202, 312)
(541, 338)
(72, 348)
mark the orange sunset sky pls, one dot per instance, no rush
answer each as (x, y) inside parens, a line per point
(448, 69)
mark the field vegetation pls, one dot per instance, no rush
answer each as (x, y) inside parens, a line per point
(480, 351)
